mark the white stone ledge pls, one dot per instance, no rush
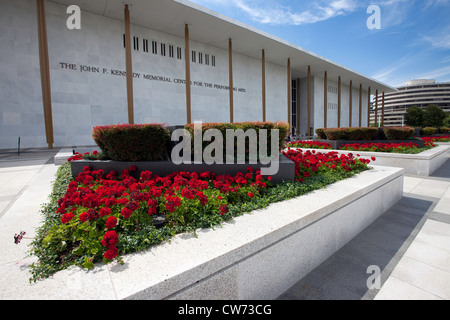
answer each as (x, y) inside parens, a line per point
(424, 163)
(256, 256)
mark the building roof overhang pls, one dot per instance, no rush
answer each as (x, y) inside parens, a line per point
(214, 29)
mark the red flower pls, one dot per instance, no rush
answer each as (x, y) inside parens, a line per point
(104, 212)
(84, 217)
(251, 195)
(307, 174)
(126, 212)
(111, 253)
(373, 158)
(67, 217)
(223, 209)
(111, 222)
(110, 239)
(152, 206)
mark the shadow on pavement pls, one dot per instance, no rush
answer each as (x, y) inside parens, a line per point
(344, 275)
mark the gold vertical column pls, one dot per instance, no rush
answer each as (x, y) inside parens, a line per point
(339, 102)
(350, 104)
(309, 102)
(298, 108)
(230, 54)
(264, 84)
(368, 107)
(360, 105)
(129, 66)
(45, 72)
(187, 57)
(325, 100)
(289, 93)
(376, 107)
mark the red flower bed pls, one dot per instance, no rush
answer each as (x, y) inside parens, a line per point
(309, 144)
(404, 147)
(429, 141)
(98, 207)
(311, 163)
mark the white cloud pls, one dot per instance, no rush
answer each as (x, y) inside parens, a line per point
(440, 41)
(274, 13)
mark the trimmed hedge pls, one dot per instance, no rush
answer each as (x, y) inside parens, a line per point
(428, 131)
(398, 133)
(257, 125)
(321, 134)
(444, 130)
(350, 133)
(132, 142)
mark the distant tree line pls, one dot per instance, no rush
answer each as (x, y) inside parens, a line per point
(432, 116)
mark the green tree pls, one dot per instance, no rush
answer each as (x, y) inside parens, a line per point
(447, 120)
(414, 116)
(433, 116)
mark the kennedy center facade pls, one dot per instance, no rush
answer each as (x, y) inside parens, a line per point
(158, 61)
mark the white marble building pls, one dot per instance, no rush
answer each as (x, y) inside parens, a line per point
(87, 83)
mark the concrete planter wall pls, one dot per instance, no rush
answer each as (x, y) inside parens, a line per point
(424, 163)
(256, 256)
(286, 167)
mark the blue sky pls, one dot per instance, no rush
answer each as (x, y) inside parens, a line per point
(413, 42)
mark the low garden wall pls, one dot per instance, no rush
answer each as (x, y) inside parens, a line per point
(424, 163)
(287, 241)
(286, 168)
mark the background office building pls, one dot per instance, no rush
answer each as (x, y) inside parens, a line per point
(154, 61)
(419, 93)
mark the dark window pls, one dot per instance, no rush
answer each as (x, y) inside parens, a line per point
(194, 56)
(179, 56)
(171, 51)
(136, 43)
(154, 47)
(145, 45)
(163, 49)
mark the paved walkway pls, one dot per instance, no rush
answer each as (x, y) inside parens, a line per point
(410, 243)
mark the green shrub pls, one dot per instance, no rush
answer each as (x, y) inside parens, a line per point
(444, 130)
(350, 133)
(336, 134)
(398, 133)
(321, 133)
(127, 142)
(428, 131)
(433, 116)
(223, 127)
(361, 133)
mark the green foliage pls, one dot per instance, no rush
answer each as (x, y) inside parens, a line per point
(321, 133)
(444, 130)
(350, 133)
(414, 116)
(433, 116)
(428, 131)
(398, 133)
(245, 126)
(141, 142)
